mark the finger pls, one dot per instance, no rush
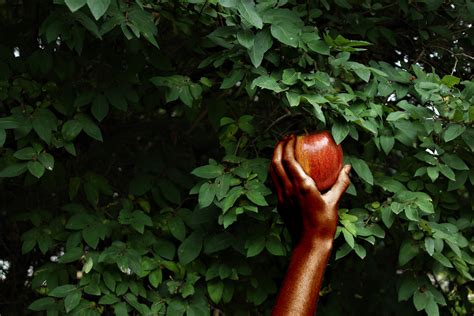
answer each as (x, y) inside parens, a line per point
(342, 182)
(294, 169)
(278, 187)
(279, 170)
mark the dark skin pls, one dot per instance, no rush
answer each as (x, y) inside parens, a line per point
(312, 219)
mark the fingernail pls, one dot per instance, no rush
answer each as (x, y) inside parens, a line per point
(347, 168)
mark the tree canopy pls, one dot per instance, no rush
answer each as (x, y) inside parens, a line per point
(135, 138)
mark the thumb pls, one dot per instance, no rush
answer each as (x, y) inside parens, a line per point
(342, 182)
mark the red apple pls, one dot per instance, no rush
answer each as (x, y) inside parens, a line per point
(320, 157)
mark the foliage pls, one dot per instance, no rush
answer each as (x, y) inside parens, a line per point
(135, 139)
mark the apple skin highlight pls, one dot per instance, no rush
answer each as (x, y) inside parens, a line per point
(320, 157)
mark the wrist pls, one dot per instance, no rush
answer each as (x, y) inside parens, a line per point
(312, 240)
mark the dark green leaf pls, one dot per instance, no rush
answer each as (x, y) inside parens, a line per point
(262, 43)
(75, 5)
(13, 170)
(285, 32)
(408, 251)
(339, 132)
(72, 300)
(248, 12)
(71, 129)
(256, 197)
(215, 290)
(98, 7)
(41, 304)
(35, 168)
(453, 131)
(208, 172)
(246, 38)
(3, 137)
(47, 160)
(89, 127)
(62, 291)
(100, 107)
(420, 299)
(26, 153)
(362, 169)
(190, 248)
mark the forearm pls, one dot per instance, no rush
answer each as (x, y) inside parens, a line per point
(300, 290)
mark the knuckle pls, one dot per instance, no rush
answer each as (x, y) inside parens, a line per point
(306, 186)
(275, 163)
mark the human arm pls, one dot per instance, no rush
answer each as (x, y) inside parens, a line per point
(312, 216)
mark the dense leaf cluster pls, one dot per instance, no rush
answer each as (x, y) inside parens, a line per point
(135, 138)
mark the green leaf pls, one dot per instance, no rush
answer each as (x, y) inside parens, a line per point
(26, 153)
(98, 7)
(88, 265)
(429, 245)
(255, 246)
(454, 162)
(408, 251)
(155, 278)
(286, 32)
(267, 82)
(397, 115)
(72, 300)
(215, 290)
(208, 171)
(256, 197)
(190, 248)
(42, 304)
(453, 131)
(44, 122)
(431, 308)
(249, 13)
(47, 160)
(116, 99)
(13, 170)
(420, 299)
(246, 38)
(207, 193)
(363, 73)
(450, 80)
(387, 142)
(339, 132)
(407, 288)
(294, 99)
(433, 173)
(89, 127)
(75, 5)
(360, 251)
(71, 129)
(231, 198)
(177, 228)
(442, 259)
(109, 280)
(275, 246)
(362, 170)
(319, 47)
(120, 309)
(35, 168)
(234, 77)
(100, 107)
(262, 43)
(3, 137)
(71, 255)
(348, 237)
(108, 299)
(62, 291)
(343, 251)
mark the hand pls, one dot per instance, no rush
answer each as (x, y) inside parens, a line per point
(307, 213)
